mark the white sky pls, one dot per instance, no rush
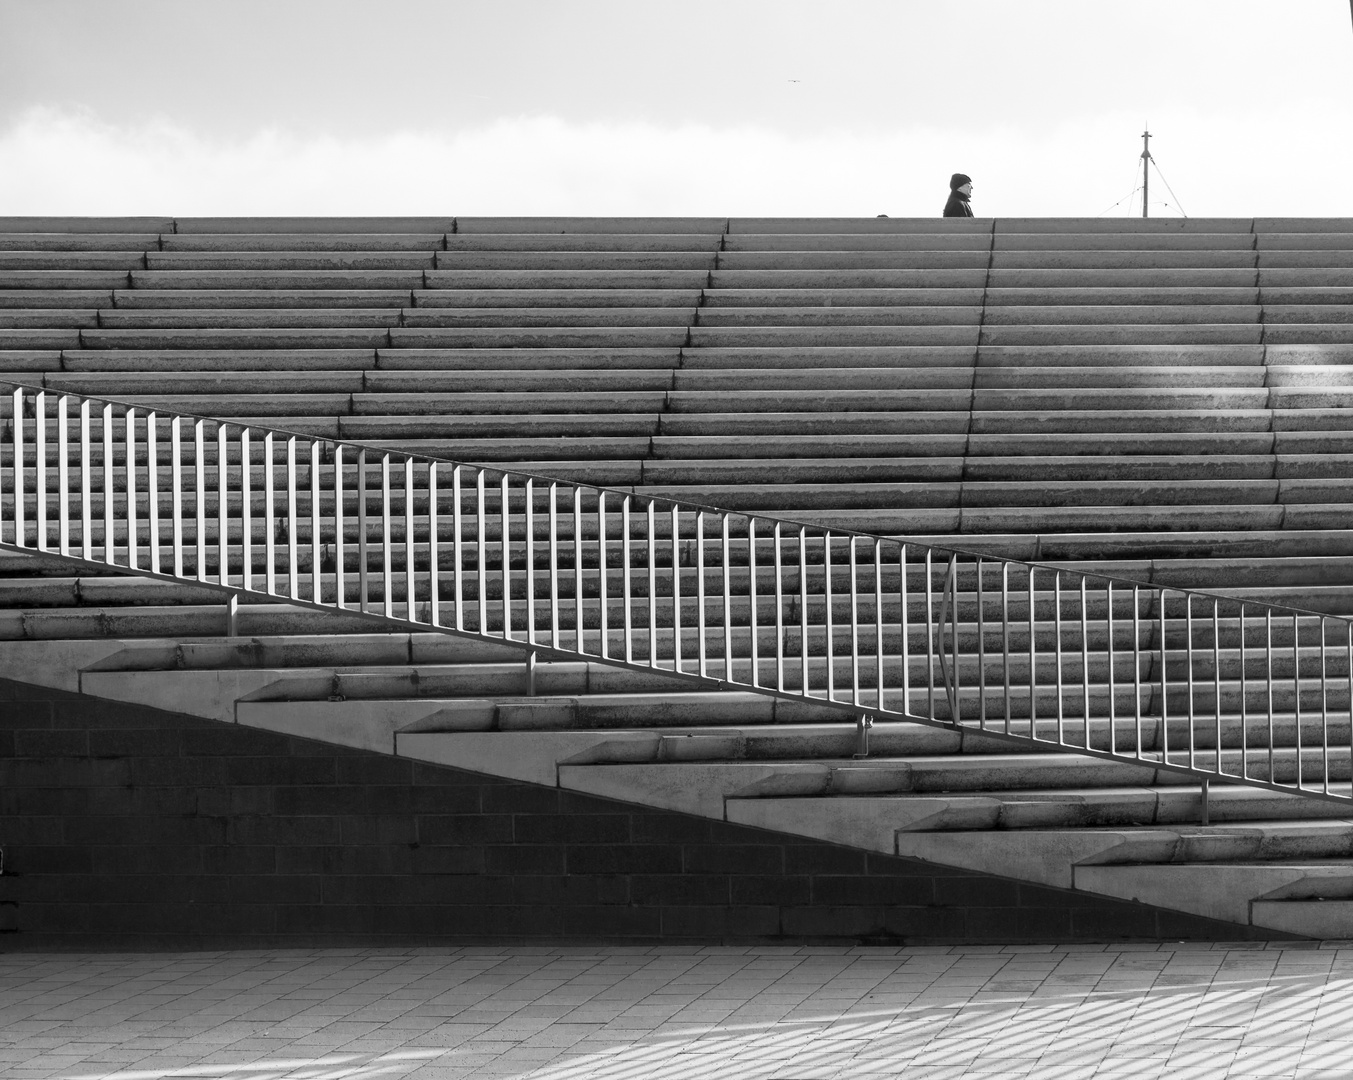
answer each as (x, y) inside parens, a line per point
(720, 107)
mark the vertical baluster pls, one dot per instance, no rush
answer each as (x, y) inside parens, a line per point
(108, 493)
(700, 592)
(222, 507)
(1057, 646)
(602, 590)
(1085, 663)
(86, 515)
(753, 624)
(905, 599)
(246, 515)
(457, 549)
(1296, 694)
(176, 487)
(62, 476)
(1005, 640)
(363, 576)
(930, 634)
(1109, 650)
(1164, 683)
(434, 556)
(387, 572)
(133, 529)
(269, 515)
(20, 540)
(1324, 712)
(153, 488)
(1244, 703)
(727, 616)
(878, 621)
(1033, 660)
(530, 493)
(805, 686)
(957, 708)
(580, 645)
(481, 553)
(554, 566)
(625, 590)
(40, 461)
(200, 480)
(316, 534)
(981, 646)
(17, 421)
(410, 536)
(340, 526)
(1137, 666)
(1216, 681)
(1348, 659)
(1268, 686)
(676, 588)
(1188, 659)
(827, 597)
(504, 509)
(652, 589)
(854, 626)
(779, 612)
(293, 563)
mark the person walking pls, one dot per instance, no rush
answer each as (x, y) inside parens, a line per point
(960, 187)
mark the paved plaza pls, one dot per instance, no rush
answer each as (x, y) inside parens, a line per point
(1182, 1011)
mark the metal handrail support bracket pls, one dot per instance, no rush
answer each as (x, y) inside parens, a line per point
(863, 722)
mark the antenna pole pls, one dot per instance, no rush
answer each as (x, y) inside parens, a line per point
(1146, 171)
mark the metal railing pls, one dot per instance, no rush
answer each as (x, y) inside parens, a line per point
(1175, 680)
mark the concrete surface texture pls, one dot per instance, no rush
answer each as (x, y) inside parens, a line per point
(1160, 400)
(1188, 1012)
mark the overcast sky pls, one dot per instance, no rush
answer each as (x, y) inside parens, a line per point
(853, 107)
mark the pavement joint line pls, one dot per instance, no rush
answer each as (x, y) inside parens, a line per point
(1103, 1012)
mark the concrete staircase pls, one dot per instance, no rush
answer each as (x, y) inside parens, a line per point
(1156, 400)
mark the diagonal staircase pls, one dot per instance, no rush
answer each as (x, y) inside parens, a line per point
(1158, 403)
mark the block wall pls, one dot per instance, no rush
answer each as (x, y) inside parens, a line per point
(122, 826)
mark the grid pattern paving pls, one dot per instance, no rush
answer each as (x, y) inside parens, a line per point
(1196, 1012)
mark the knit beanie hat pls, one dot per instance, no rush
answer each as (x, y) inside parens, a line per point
(958, 180)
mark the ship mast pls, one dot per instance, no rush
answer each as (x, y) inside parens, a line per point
(1146, 170)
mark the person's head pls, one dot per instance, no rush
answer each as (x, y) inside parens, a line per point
(961, 182)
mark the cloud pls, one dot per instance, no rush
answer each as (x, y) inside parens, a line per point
(61, 162)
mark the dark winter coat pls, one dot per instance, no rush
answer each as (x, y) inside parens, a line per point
(957, 206)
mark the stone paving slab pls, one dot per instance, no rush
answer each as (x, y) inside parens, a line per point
(1194, 1011)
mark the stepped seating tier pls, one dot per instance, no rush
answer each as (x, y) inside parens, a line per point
(1163, 400)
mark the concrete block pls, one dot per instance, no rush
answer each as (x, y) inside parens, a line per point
(1043, 857)
(533, 757)
(364, 725)
(1319, 919)
(209, 694)
(696, 787)
(55, 663)
(636, 226)
(868, 822)
(1215, 891)
(851, 226)
(347, 225)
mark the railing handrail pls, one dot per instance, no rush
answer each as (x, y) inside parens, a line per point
(716, 640)
(685, 505)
